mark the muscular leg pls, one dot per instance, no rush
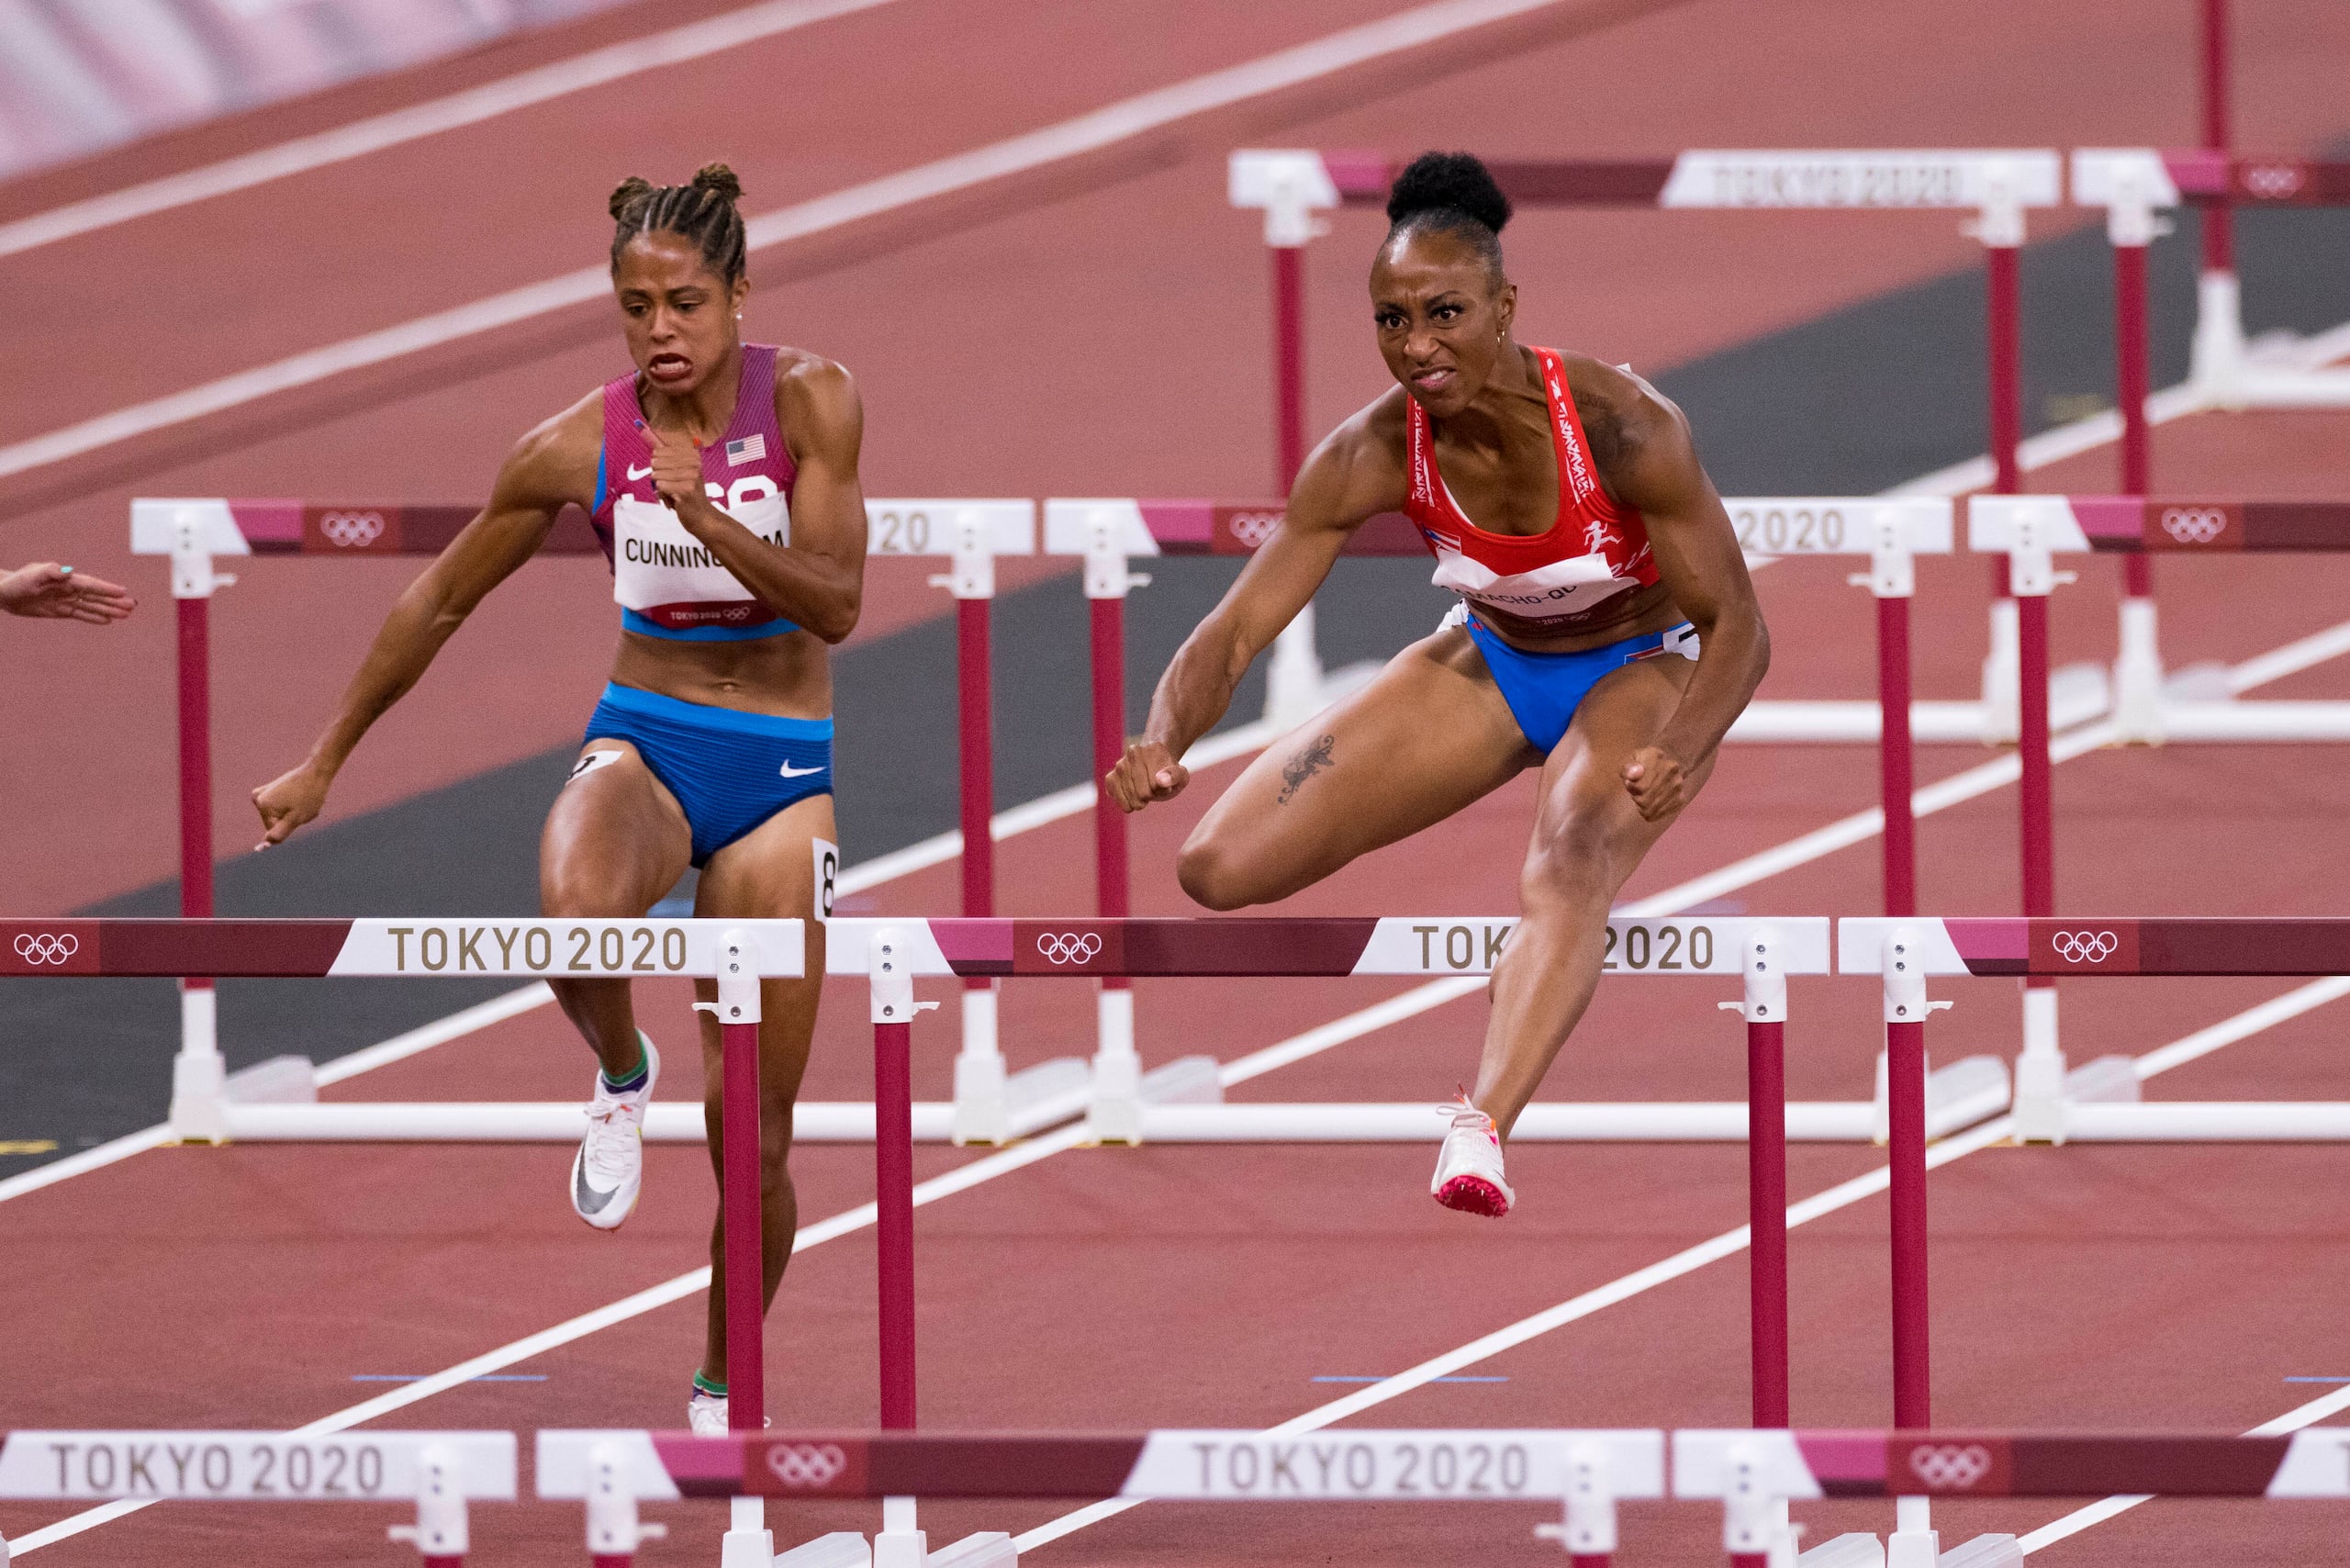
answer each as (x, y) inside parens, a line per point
(767, 874)
(1588, 839)
(1430, 735)
(614, 842)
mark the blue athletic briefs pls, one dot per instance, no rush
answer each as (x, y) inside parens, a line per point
(730, 770)
(1543, 690)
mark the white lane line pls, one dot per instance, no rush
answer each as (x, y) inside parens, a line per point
(89, 1160)
(1729, 1243)
(2097, 1513)
(1072, 138)
(399, 1048)
(613, 63)
(602, 1318)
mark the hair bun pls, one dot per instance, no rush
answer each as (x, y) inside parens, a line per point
(627, 191)
(718, 178)
(1454, 181)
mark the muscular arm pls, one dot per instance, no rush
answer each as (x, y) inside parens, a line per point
(1654, 465)
(538, 478)
(1352, 477)
(818, 580)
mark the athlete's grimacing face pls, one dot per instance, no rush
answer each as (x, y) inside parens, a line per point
(1441, 315)
(679, 316)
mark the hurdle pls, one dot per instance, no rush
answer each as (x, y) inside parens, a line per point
(2078, 946)
(894, 953)
(1753, 1474)
(2134, 185)
(2032, 531)
(277, 1100)
(441, 1472)
(735, 954)
(1998, 186)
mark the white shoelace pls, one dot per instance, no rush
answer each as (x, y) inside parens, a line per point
(612, 1139)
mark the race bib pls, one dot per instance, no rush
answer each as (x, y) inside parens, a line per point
(1562, 589)
(667, 576)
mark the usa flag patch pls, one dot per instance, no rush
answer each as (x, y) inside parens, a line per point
(750, 449)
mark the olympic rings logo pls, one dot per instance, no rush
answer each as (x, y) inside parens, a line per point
(1947, 1467)
(1253, 528)
(351, 529)
(2272, 182)
(41, 947)
(2084, 946)
(1074, 947)
(2194, 525)
(806, 1464)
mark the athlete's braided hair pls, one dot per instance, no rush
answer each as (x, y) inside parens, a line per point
(703, 212)
(1450, 193)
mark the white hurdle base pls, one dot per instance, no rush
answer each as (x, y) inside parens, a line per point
(523, 1121)
(1854, 1548)
(842, 1549)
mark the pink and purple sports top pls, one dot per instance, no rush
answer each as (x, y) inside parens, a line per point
(666, 581)
(1591, 552)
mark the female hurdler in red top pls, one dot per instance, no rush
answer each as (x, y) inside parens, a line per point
(722, 478)
(1606, 634)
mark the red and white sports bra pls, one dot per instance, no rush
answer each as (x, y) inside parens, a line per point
(1594, 551)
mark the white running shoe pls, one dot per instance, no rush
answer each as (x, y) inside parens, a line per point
(706, 1414)
(609, 1171)
(1469, 1168)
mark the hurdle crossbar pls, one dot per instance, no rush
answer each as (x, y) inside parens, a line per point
(1752, 1474)
(441, 1472)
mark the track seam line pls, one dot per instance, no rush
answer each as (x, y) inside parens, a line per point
(1074, 137)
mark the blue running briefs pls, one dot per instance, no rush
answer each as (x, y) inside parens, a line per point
(730, 770)
(1543, 690)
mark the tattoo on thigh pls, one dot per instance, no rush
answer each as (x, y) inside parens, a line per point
(1303, 766)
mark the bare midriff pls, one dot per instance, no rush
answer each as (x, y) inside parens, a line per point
(788, 676)
(1629, 614)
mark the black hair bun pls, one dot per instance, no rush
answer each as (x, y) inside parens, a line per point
(628, 190)
(1456, 181)
(720, 179)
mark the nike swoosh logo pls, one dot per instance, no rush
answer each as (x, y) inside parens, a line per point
(636, 473)
(589, 1201)
(791, 772)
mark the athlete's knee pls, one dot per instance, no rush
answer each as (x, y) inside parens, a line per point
(1583, 858)
(1215, 877)
(579, 892)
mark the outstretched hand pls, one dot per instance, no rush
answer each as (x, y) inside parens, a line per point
(1147, 772)
(1657, 782)
(46, 590)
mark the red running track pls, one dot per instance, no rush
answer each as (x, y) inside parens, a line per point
(2086, 1286)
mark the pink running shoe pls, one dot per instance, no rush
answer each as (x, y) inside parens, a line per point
(1469, 1168)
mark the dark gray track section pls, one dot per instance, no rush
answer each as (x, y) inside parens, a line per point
(1853, 402)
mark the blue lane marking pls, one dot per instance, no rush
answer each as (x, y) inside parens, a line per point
(2318, 1380)
(418, 1377)
(1431, 1380)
